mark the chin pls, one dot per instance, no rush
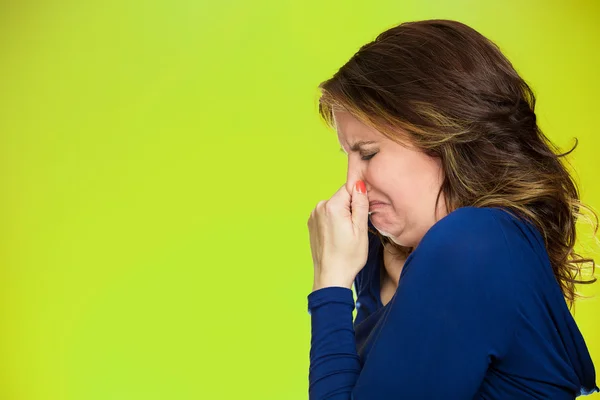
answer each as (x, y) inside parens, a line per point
(385, 233)
(400, 240)
(395, 240)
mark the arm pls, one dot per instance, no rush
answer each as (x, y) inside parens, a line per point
(453, 312)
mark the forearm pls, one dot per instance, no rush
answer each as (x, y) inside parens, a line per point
(334, 361)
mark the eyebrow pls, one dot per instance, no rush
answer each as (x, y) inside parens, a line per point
(356, 146)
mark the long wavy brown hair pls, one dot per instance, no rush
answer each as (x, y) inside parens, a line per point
(460, 99)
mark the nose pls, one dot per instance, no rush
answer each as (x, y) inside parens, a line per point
(354, 174)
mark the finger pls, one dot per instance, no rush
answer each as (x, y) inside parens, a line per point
(341, 198)
(360, 208)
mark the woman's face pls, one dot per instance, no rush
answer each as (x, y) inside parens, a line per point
(404, 179)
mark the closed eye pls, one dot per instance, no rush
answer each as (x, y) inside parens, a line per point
(368, 157)
(365, 158)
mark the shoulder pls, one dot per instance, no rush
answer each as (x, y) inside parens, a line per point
(469, 241)
(461, 277)
(468, 227)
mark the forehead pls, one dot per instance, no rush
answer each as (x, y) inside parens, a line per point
(350, 129)
(353, 133)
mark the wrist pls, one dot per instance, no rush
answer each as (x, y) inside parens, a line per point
(323, 283)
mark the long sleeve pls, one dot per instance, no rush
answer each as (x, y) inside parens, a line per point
(454, 312)
(334, 361)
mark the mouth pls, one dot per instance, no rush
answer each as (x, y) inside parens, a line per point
(374, 206)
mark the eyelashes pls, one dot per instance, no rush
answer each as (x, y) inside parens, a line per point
(365, 158)
(368, 157)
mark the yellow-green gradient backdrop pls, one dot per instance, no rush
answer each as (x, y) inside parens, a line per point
(159, 162)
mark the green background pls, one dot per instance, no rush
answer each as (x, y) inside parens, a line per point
(160, 160)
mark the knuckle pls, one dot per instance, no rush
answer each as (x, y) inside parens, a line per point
(329, 206)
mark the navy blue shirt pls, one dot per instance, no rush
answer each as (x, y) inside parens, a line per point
(478, 314)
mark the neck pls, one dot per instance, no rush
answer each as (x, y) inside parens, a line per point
(393, 261)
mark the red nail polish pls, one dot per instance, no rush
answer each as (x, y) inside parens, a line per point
(360, 186)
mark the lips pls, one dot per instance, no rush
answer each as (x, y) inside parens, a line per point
(375, 205)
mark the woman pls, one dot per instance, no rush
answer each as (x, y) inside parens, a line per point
(456, 226)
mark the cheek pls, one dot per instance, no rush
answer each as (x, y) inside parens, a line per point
(405, 179)
(377, 175)
(411, 186)
(425, 187)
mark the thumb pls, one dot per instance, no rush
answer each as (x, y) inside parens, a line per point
(360, 205)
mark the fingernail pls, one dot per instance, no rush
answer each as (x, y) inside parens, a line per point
(360, 186)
